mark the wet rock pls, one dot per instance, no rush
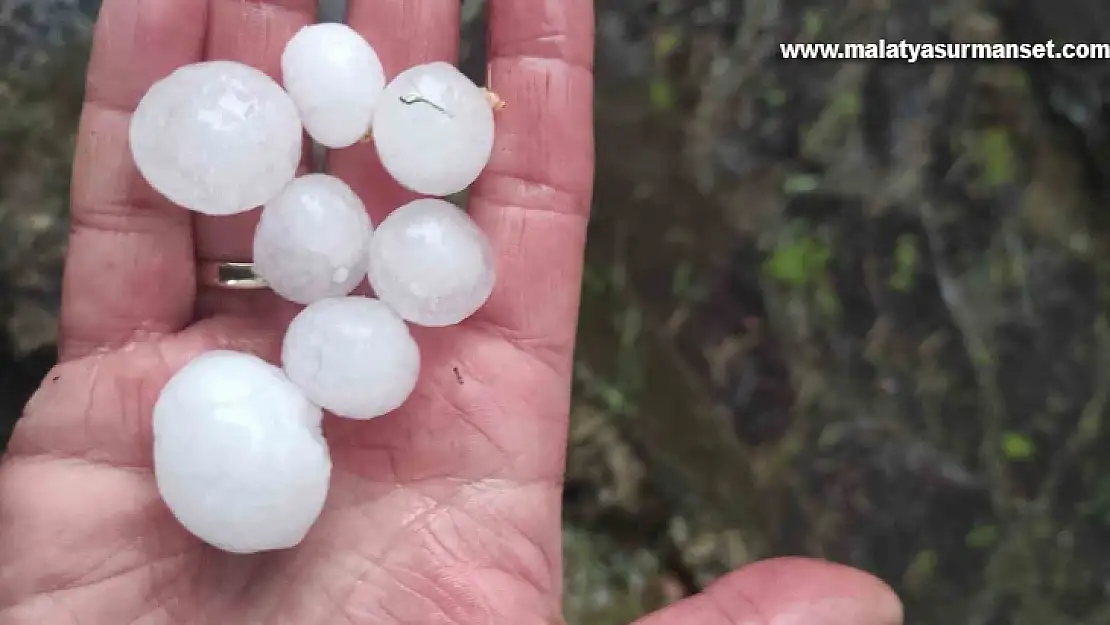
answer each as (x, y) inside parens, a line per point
(914, 331)
(32, 31)
(42, 57)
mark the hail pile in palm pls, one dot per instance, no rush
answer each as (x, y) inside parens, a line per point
(239, 454)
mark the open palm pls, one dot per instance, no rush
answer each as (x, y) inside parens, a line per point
(446, 511)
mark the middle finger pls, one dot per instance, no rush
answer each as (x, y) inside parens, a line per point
(403, 33)
(254, 33)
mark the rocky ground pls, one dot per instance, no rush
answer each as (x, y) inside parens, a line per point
(857, 311)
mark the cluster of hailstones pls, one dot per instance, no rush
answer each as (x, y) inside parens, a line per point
(239, 453)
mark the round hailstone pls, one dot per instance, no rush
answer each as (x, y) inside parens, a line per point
(239, 456)
(312, 240)
(217, 137)
(335, 77)
(431, 263)
(433, 129)
(353, 356)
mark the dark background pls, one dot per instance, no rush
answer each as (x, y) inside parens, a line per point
(849, 310)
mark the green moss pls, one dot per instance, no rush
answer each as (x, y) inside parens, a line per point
(922, 568)
(1014, 79)
(996, 157)
(982, 537)
(661, 94)
(1017, 446)
(905, 263)
(812, 21)
(607, 395)
(798, 262)
(798, 184)
(826, 299)
(631, 325)
(846, 104)
(836, 122)
(665, 43)
(682, 279)
(775, 96)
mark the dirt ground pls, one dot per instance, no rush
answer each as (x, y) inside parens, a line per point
(848, 310)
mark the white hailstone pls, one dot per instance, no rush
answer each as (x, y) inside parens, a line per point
(352, 356)
(239, 455)
(335, 78)
(311, 241)
(431, 263)
(433, 129)
(217, 137)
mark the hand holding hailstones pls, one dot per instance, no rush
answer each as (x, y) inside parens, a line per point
(239, 454)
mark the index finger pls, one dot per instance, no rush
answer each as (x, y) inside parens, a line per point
(533, 200)
(130, 262)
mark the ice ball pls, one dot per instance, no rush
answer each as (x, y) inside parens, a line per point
(335, 77)
(352, 355)
(433, 129)
(312, 240)
(239, 456)
(431, 263)
(217, 137)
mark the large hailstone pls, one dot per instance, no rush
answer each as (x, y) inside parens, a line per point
(352, 356)
(335, 77)
(239, 456)
(431, 263)
(311, 241)
(217, 137)
(433, 129)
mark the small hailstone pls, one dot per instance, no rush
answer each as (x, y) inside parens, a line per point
(431, 263)
(312, 240)
(217, 137)
(352, 356)
(239, 456)
(433, 129)
(335, 78)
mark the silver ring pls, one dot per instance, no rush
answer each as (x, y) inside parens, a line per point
(229, 275)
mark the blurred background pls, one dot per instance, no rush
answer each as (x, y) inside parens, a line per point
(849, 310)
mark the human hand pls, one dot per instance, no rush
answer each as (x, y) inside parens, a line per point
(447, 511)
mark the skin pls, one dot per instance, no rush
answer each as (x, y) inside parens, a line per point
(446, 512)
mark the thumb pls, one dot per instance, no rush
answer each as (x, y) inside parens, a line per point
(787, 591)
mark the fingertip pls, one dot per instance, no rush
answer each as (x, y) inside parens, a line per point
(828, 593)
(138, 42)
(788, 591)
(404, 33)
(407, 32)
